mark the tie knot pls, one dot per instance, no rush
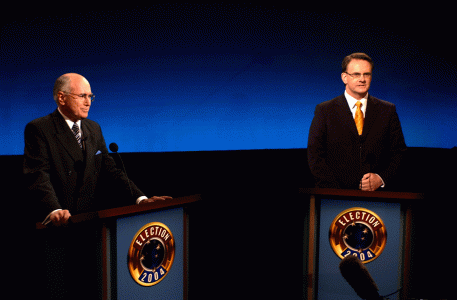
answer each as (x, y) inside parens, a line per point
(358, 104)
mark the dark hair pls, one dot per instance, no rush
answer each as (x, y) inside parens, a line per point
(352, 56)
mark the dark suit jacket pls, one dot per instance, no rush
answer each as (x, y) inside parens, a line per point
(338, 157)
(58, 174)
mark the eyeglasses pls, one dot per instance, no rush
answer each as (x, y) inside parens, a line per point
(90, 96)
(358, 75)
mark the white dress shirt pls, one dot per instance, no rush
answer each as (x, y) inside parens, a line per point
(70, 124)
(352, 101)
(352, 105)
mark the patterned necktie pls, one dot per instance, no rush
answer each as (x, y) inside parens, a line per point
(359, 118)
(77, 134)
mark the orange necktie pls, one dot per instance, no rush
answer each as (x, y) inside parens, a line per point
(359, 118)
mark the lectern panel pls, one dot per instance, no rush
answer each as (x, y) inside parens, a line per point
(144, 231)
(358, 225)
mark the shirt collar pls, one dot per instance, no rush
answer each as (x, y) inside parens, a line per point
(352, 101)
(69, 122)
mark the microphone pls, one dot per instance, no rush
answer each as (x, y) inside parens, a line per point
(357, 275)
(114, 148)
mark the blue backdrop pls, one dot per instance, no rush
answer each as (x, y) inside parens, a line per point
(175, 77)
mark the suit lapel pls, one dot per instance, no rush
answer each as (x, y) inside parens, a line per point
(66, 137)
(345, 115)
(88, 142)
(370, 115)
(347, 118)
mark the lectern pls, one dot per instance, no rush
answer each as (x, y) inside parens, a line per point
(374, 226)
(141, 251)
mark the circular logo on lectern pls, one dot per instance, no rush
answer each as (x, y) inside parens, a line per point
(360, 232)
(151, 254)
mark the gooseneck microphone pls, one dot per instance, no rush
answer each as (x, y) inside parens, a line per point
(357, 275)
(114, 148)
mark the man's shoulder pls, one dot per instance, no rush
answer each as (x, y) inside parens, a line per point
(90, 123)
(380, 102)
(339, 100)
(40, 121)
(333, 102)
(55, 116)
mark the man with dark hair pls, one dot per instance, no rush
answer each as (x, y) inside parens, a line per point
(355, 140)
(353, 56)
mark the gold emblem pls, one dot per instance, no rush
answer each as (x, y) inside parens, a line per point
(360, 232)
(151, 254)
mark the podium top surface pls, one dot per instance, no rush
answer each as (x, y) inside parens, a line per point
(130, 210)
(362, 194)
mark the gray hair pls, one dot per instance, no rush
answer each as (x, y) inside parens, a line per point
(62, 83)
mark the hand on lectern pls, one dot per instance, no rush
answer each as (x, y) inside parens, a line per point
(370, 182)
(155, 198)
(60, 217)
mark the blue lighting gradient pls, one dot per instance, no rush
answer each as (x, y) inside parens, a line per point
(191, 77)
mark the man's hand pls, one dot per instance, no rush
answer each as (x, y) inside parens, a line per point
(155, 198)
(60, 217)
(370, 182)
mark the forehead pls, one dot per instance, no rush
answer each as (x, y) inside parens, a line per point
(79, 84)
(359, 65)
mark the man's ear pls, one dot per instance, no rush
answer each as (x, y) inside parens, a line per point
(60, 98)
(344, 77)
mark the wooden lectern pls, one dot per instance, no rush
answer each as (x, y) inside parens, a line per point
(374, 226)
(149, 239)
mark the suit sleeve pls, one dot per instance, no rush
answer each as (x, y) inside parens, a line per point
(36, 170)
(317, 151)
(397, 149)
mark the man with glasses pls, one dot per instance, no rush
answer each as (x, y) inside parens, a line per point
(65, 161)
(65, 155)
(355, 140)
